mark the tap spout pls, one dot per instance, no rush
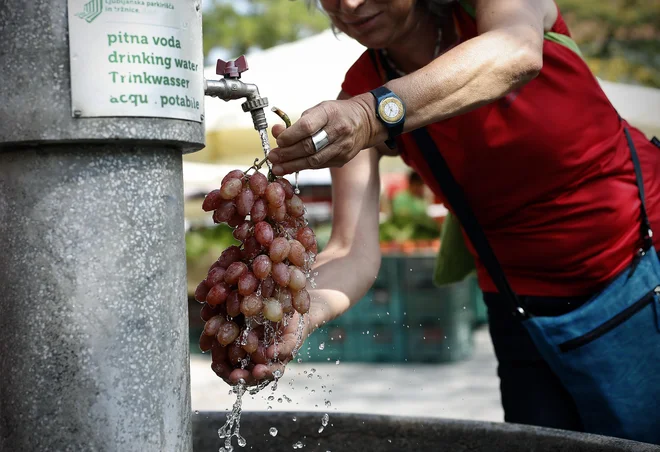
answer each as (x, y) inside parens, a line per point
(230, 89)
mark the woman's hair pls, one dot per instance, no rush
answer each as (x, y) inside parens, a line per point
(440, 8)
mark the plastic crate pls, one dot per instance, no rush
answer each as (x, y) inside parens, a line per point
(436, 343)
(382, 303)
(333, 337)
(376, 343)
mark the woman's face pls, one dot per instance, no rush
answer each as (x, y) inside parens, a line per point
(374, 23)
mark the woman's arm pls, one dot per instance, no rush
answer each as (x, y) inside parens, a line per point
(507, 54)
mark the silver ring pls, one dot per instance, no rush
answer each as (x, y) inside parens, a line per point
(320, 140)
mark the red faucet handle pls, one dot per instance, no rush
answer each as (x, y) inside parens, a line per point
(232, 69)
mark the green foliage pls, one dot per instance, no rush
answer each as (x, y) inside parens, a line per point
(200, 241)
(619, 38)
(259, 23)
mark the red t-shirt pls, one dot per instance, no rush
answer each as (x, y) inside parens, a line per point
(547, 171)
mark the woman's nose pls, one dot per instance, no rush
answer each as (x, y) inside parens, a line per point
(350, 5)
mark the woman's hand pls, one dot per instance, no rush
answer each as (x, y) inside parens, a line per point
(351, 126)
(281, 353)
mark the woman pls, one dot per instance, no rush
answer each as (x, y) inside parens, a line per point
(541, 156)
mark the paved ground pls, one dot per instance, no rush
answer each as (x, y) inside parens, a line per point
(464, 390)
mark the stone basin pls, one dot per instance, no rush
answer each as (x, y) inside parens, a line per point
(377, 433)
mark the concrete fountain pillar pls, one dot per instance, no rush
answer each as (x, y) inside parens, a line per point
(93, 311)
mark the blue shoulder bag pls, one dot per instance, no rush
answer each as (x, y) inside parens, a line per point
(607, 351)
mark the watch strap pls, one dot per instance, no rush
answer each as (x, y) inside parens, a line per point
(393, 130)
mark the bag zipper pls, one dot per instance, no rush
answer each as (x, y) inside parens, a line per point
(609, 325)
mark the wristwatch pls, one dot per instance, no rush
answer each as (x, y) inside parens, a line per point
(391, 111)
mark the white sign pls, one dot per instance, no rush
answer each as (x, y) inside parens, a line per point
(136, 58)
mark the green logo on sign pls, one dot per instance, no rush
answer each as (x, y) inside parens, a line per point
(92, 10)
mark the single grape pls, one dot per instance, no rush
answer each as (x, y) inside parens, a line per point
(272, 310)
(227, 333)
(286, 185)
(306, 237)
(216, 275)
(202, 291)
(258, 183)
(211, 327)
(235, 220)
(267, 287)
(206, 342)
(259, 210)
(251, 342)
(243, 231)
(212, 201)
(279, 249)
(222, 370)
(235, 271)
(297, 253)
(251, 248)
(218, 353)
(295, 206)
(235, 353)
(261, 266)
(234, 174)
(244, 202)
(263, 232)
(218, 294)
(281, 274)
(225, 211)
(277, 213)
(259, 357)
(297, 280)
(209, 311)
(285, 299)
(231, 188)
(274, 194)
(247, 283)
(234, 304)
(301, 301)
(228, 256)
(252, 305)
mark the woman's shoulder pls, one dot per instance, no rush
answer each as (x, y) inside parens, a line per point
(362, 76)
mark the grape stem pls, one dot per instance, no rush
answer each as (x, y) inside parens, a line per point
(286, 119)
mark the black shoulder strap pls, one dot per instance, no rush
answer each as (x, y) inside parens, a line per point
(452, 191)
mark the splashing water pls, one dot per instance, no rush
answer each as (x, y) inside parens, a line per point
(324, 422)
(232, 426)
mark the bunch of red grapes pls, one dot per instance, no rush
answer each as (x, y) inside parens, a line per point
(253, 290)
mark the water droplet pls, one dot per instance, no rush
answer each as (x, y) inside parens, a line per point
(272, 431)
(277, 374)
(389, 440)
(328, 403)
(242, 442)
(299, 360)
(337, 362)
(298, 445)
(279, 400)
(325, 419)
(196, 411)
(271, 398)
(294, 419)
(321, 429)
(321, 345)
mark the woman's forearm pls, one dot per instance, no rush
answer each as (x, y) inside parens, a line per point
(477, 72)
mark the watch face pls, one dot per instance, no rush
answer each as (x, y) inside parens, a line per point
(391, 110)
